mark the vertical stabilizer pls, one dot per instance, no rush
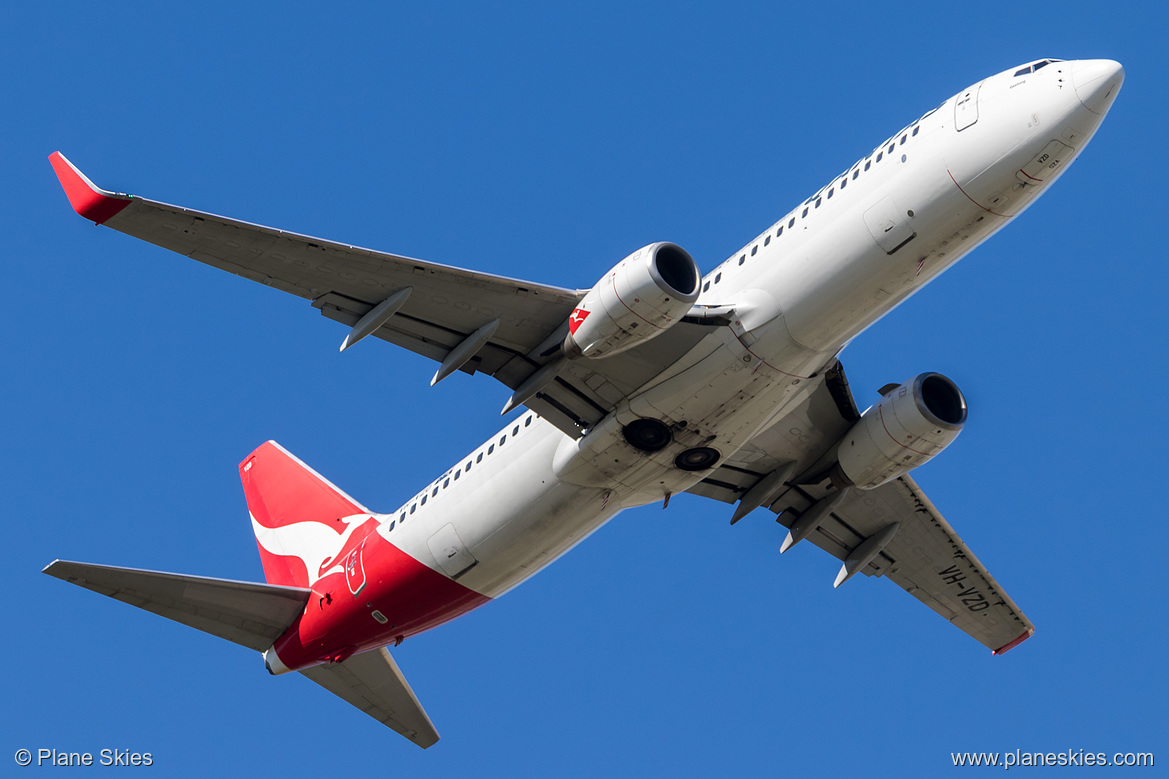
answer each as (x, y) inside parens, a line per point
(304, 525)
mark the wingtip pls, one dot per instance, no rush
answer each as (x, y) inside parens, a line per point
(1007, 647)
(92, 202)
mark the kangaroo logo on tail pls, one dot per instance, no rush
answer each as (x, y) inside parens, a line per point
(305, 527)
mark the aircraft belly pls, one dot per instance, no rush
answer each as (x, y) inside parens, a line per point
(520, 517)
(851, 278)
(535, 536)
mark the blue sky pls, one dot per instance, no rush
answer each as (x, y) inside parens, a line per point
(546, 141)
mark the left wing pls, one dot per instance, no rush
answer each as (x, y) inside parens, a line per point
(466, 320)
(893, 530)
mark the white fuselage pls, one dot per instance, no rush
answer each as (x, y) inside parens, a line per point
(801, 291)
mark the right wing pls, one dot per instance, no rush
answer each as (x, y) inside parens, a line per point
(785, 468)
(444, 308)
(372, 682)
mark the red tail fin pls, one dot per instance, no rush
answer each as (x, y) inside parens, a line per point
(302, 522)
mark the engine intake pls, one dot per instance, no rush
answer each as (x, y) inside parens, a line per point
(908, 427)
(642, 296)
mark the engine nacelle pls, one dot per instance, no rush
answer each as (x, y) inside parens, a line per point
(638, 299)
(905, 429)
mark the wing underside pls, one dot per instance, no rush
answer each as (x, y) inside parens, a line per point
(925, 556)
(444, 307)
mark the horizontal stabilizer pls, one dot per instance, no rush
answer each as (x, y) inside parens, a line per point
(372, 682)
(252, 615)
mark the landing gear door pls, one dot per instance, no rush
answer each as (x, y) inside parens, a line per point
(890, 227)
(966, 108)
(449, 551)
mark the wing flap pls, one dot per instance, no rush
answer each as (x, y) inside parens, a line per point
(245, 613)
(372, 682)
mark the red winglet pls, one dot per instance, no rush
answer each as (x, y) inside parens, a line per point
(1007, 647)
(93, 203)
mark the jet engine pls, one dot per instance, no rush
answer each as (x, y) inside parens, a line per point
(638, 299)
(909, 425)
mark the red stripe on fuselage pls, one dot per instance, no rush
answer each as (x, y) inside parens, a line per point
(411, 596)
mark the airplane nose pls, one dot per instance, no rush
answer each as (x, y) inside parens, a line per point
(1096, 83)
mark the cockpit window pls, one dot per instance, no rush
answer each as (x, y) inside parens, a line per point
(1034, 67)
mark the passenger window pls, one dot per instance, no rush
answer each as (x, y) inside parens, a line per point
(515, 430)
(706, 286)
(805, 213)
(412, 507)
(479, 459)
(403, 517)
(527, 421)
(434, 493)
(818, 202)
(718, 277)
(830, 194)
(423, 501)
(880, 154)
(857, 172)
(915, 129)
(867, 164)
(891, 147)
(392, 523)
(491, 449)
(844, 182)
(904, 138)
(767, 241)
(791, 222)
(742, 258)
(754, 249)
(502, 438)
(779, 232)
(458, 474)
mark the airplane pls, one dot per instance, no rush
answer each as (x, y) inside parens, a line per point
(656, 381)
